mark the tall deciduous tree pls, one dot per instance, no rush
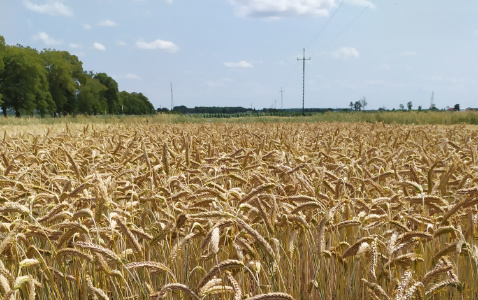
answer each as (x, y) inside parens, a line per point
(135, 104)
(65, 74)
(111, 94)
(90, 99)
(24, 82)
(2, 53)
(358, 105)
(363, 101)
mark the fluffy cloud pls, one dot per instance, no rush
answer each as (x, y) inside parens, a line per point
(121, 43)
(75, 45)
(361, 3)
(132, 76)
(51, 7)
(99, 46)
(108, 23)
(282, 8)
(408, 53)
(158, 44)
(46, 39)
(345, 52)
(240, 64)
(223, 82)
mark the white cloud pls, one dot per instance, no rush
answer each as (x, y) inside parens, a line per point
(361, 3)
(345, 52)
(129, 76)
(121, 43)
(46, 39)
(75, 46)
(240, 64)
(274, 9)
(408, 53)
(132, 76)
(51, 7)
(86, 26)
(108, 23)
(99, 46)
(158, 44)
(383, 83)
(223, 82)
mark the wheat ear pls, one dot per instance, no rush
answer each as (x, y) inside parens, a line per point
(272, 296)
(235, 286)
(98, 249)
(177, 286)
(150, 264)
(131, 238)
(267, 247)
(222, 266)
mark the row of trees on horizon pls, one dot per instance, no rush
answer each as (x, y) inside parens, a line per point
(54, 83)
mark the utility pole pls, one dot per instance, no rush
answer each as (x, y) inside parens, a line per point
(172, 101)
(431, 101)
(303, 59)
(281, 99)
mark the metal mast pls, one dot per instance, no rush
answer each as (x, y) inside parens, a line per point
(431, 100)
(281, 99)
(303, 80)
(172, 101)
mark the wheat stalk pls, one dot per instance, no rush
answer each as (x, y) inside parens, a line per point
(222, 266)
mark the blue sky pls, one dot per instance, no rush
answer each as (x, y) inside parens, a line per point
(242, 52)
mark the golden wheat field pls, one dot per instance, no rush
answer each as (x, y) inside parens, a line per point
(239, 211)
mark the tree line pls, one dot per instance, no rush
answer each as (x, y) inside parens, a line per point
(54, 83)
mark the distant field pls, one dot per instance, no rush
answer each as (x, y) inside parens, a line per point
(151, 207)
(387, 117)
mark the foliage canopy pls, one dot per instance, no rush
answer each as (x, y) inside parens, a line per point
(53, 82)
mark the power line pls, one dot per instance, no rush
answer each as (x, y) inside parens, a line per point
(353, 21)
(303, 80)
(316, 36)
(326, 24)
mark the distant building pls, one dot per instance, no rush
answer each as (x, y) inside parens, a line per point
(472, 109)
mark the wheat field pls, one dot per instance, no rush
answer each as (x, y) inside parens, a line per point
(239, 211)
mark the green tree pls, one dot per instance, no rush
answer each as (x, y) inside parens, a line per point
(2, 65)
(65, 74)
(358, 105)
(126, 102)
(90, 99)
(111, 94)
(24, 82)
(147, 107)
(363, 101)
(409, 105)
(135, 104)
